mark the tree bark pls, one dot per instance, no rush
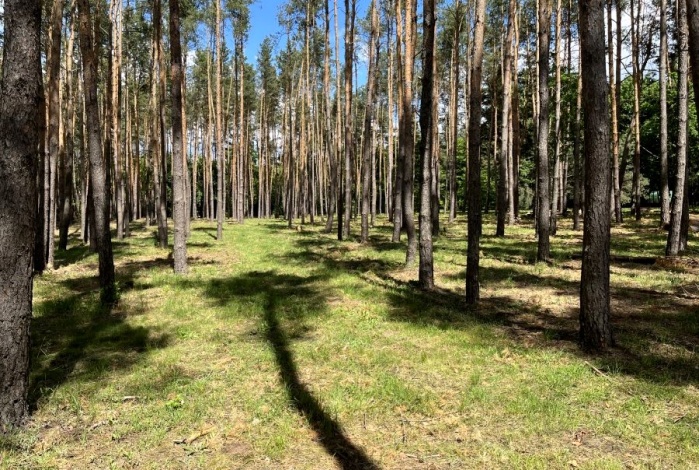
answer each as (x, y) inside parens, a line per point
(54, 113)
(20, 109)
(595, 331)
(674, 247)
(474, 160)
(68, 156)
(427, 104)
(543, 212)
(220, 153)
(503, 163)
(179, 211)
(99, 171)
(368, 144)
(636, 76)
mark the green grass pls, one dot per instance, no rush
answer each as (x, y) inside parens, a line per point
(289, 349)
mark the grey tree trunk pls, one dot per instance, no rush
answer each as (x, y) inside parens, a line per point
(99, 171)
(474, 160)
(503, 163)
(368, 150)
(349, 140)
(220, 153)
(543, 212)
(20, 109)
(54, 84)
(179, 212)
(595, 331)
(664, 185)
(673, 247)
(427, 104)
(67, 166)
(577, 166)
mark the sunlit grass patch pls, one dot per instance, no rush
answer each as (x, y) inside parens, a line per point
(288, 349)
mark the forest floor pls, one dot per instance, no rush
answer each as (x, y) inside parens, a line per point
(286, 349)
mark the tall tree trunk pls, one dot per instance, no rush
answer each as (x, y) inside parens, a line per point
(636, 76)
(179, 212)
(350, 11)
(427, 104)
(503, 189)
(54, 113)
(595, 331)
(407, 136)
(20, 109)
(398, 216)
(664, 185)
(616, 189)
(99, 170)
(543, 213)
(220, 152)
(69, 154)
(555, 200)
(513, 167)
(674, 247)
(115, 125)
(576, 154)
(368, 144)
(329, 145)
(454, 107)
(474, 160)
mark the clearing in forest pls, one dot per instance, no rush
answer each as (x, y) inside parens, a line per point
(289, 349)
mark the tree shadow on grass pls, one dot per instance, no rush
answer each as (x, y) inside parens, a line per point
(286, 300)
(657, 333)
(76, 339)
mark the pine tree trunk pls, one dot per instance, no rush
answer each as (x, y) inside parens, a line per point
(220, 153)
(20, 109)
(595, 331)
(368, 144)
(503, 163)
(68, 155)
(54, 113)
(577, 185)
(407, 135)
(454, 108)
(179, 212)
(427, 104)
(474, 160)
(543, 212)
(349, 138)
(555, 200)
(674, 247)
(99, 170)
(636, 72)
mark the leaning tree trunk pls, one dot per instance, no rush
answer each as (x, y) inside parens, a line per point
(595, 331)
(474, 160)
(20, 109)
(427, 103)
(99, 171)
(543, 212)
(179, 212)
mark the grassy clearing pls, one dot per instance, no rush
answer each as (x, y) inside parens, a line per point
(288, 349)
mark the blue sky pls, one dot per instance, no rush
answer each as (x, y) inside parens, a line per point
(264, 22)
